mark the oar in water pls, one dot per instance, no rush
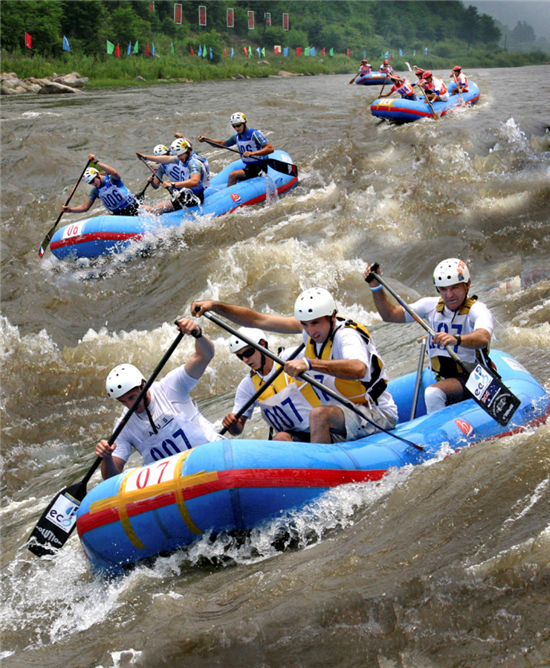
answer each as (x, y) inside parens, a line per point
(59, 519)
(355, 77)
(304, 376)
(264, 387)
(44, 245)
(483, 383)
(277, 165)
(140, 195)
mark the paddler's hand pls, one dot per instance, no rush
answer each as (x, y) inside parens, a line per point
(92, 158)
(178, 135)
(295, 367)
(104, 450)
(188, 326)
(199, 308)
(445, 339)
(140, 155)
(65, 208)
(168, 185)
(201, 138)
(373, 268)
(247, 154)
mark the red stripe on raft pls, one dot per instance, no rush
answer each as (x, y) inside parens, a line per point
(237, 479)
(97, 236)
(417, 112)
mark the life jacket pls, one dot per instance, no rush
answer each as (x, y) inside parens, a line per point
(247, 142)
(444, 366)
(404, 89)
(356, 390)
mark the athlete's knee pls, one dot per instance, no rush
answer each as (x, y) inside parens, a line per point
(282, 436)
(434, 398)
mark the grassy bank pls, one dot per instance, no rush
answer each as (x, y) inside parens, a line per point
(110, 71)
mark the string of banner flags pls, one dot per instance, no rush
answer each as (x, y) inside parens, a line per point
(207, 52)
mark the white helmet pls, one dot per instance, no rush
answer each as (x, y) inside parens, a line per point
(90, 174)
(451, 272)
(180, 146)
(238, 118)
(122, 379)
(256, 335)
(161, 149)
(314, 303)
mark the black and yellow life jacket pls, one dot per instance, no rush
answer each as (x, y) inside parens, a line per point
(356, 390)
(281, 383)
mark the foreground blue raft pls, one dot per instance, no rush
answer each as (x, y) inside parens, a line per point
(238, 484)
(412, 110)
(102, 235)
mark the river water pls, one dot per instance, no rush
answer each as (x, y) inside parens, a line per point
(443, 565)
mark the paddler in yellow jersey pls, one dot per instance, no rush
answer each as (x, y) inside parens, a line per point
(285, 403)
(339, 353)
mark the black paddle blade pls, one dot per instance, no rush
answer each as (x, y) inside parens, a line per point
(57, 521)
(283, 167)
(492, 394)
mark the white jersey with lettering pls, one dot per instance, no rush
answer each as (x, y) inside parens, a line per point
(169, 398)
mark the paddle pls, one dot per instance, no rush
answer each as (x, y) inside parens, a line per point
(140, 195)
(59, 519)
(277, 165)
(457, 87)
(483, 383)
(44, 245)
(355, 77)
(264, 387)
(304, 376)
(423, 344)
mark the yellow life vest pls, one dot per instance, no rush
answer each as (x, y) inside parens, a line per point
(446, 367)
(282, 382)
(356, 390)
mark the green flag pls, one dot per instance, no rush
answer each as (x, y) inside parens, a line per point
(331, 52)
(250, 52)
(110, 48)
(171, 47)
(135, 47)
(204, 51)
(414, 52)
(306, 51)
(263, 52)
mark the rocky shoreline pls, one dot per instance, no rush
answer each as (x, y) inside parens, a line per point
(10, 84)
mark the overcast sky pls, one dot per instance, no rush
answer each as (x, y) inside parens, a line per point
(509, 12)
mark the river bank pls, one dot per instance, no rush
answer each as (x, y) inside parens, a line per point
(145, 70)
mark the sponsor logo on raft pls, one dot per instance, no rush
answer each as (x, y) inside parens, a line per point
(235, 197)
(465, 427)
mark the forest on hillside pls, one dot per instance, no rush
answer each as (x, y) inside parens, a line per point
(356, 25)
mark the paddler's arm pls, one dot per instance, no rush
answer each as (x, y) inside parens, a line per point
(389, 311)
(265, 150)
(111, 171)
(191, 182)
(244, 316)
(204, 348)
(110, 466)
(233, 425)
(78, 209)
(220, 142)
(162, 159)
(347, 369)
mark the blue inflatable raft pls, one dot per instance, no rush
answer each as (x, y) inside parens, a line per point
(239, 484)
(412, 110)
(373, 79)
(103, 235)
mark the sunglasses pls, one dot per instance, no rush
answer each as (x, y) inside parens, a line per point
(238, 125)
(246, 353)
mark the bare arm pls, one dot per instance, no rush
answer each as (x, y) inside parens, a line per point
(244, 316)
(220, 142)
(204, 349)
(342, 368)
(110, 466)
(162, 159)
(108, 170)
(78, 209)
(389, 311)
(479, 338)
(191, 182)
(266, 150)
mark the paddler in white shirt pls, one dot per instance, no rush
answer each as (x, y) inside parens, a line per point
(458, 320)
(339, 353)
(166, 421)
(285, 403)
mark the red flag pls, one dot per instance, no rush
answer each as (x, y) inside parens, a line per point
(117, 51)
(147, 49)
(224, 53)
(348, 52)
(298, 50)
(245, 51)
(28, 41)
(323, 52)
(192, 52)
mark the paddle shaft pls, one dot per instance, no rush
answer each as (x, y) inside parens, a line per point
(458, 87)
(262, 389)
(418, 377)
(44, 245)
(154, 173)
(304, 376)
(277, 165)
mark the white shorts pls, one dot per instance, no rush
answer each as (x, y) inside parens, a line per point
(356, 427)
(444, 97)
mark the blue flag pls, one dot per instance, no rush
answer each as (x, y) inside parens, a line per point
(66, 46)
(285, 51)
(232, 52)
(258, 51)
(130, 48)
(387, 54)
(211, 54)
(426, 50)
(364, 53)
(200, 50)
(312, 51)
(400, 52)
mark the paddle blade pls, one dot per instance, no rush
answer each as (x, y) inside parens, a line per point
(492, 394)
(57, 521)
(283, 167)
